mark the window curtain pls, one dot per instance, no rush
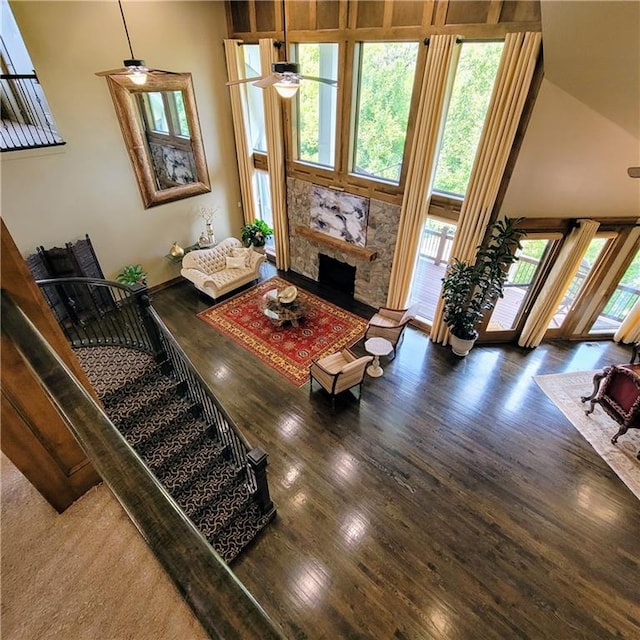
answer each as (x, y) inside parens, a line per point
(510, 91)
(420, 170)
(629, 330)
(275, 158)
(236, 71)
(554, 289)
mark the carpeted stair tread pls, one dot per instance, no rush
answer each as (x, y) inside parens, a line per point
(156, 417)
(207, 483)
(180, 475)
(220, 506)
(178, 447)
(144, 390)
(241, 531)
(100, 363)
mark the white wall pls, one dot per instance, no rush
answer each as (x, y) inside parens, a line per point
(573, 163)
(584, 132)
(50, 197)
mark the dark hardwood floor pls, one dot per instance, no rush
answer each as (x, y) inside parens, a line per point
(454, 501)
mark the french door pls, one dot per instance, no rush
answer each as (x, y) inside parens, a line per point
(602, 292)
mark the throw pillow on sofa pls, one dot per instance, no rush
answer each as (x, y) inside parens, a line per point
(238, 262)
(244, 253)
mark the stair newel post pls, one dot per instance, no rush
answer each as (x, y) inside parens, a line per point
(258, 461)
(143, 300)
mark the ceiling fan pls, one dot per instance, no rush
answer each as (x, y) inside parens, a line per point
(285, 76)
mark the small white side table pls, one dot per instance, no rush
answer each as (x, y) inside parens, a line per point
(377, 347)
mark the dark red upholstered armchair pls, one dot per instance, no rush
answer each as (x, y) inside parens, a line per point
(617, 390)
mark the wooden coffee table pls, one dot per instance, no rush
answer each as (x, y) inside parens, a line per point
(279, 313)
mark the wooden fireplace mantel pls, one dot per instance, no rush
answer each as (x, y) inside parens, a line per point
(336, 243)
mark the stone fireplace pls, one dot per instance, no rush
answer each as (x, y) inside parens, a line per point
(371, 264)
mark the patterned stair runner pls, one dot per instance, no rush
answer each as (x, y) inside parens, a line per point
(167, 431)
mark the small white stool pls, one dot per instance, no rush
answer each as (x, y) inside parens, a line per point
(377, 347)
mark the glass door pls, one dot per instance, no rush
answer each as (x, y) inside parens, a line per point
(521, 286)
(433, 255)
(620, 302)
(578, 286)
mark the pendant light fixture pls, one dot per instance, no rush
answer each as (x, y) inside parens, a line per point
(137, 70)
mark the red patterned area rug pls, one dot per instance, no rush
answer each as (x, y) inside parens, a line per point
(289, 350)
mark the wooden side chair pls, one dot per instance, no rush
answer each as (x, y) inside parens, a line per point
(389, 324)
(339, 372)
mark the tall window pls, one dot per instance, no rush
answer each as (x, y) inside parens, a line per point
(472, 86)
(467, 109)
(27, 122)
(386, 72)
(254, 98)
(262, 199)
(316, 103)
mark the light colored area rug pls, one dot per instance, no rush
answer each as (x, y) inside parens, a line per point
(84, 574)
(565, 390)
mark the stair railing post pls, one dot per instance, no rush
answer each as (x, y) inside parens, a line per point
(258, 461)
(143, 300)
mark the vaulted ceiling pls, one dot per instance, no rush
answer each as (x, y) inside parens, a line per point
(592, 51)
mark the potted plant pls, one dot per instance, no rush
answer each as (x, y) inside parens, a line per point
(132, 274)
(470, 290)
(256, 233)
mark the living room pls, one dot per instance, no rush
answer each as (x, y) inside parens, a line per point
(572, 163)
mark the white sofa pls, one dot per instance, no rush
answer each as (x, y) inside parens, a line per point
(211, 273)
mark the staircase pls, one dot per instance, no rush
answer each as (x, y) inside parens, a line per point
(152, 410)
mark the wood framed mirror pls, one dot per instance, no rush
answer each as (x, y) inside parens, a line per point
(161, 131)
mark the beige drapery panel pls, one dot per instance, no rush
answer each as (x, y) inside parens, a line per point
(417, 192)
(510, 91)
(235, 71)
(629, 330)
(557, 283)
(275, 158)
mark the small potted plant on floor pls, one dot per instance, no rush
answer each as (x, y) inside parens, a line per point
(470, 290)
(256, 234)
(132, 274)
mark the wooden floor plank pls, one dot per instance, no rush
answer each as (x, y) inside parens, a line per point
(453, 501)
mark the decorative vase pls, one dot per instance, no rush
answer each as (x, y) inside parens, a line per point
(461, 347)
(258, 248)
(176, 250)
(210, 237)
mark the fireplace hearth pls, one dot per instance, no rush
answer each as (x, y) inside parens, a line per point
(336, 274)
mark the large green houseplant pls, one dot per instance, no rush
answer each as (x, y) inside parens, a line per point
(470, 290)
(256, 233)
